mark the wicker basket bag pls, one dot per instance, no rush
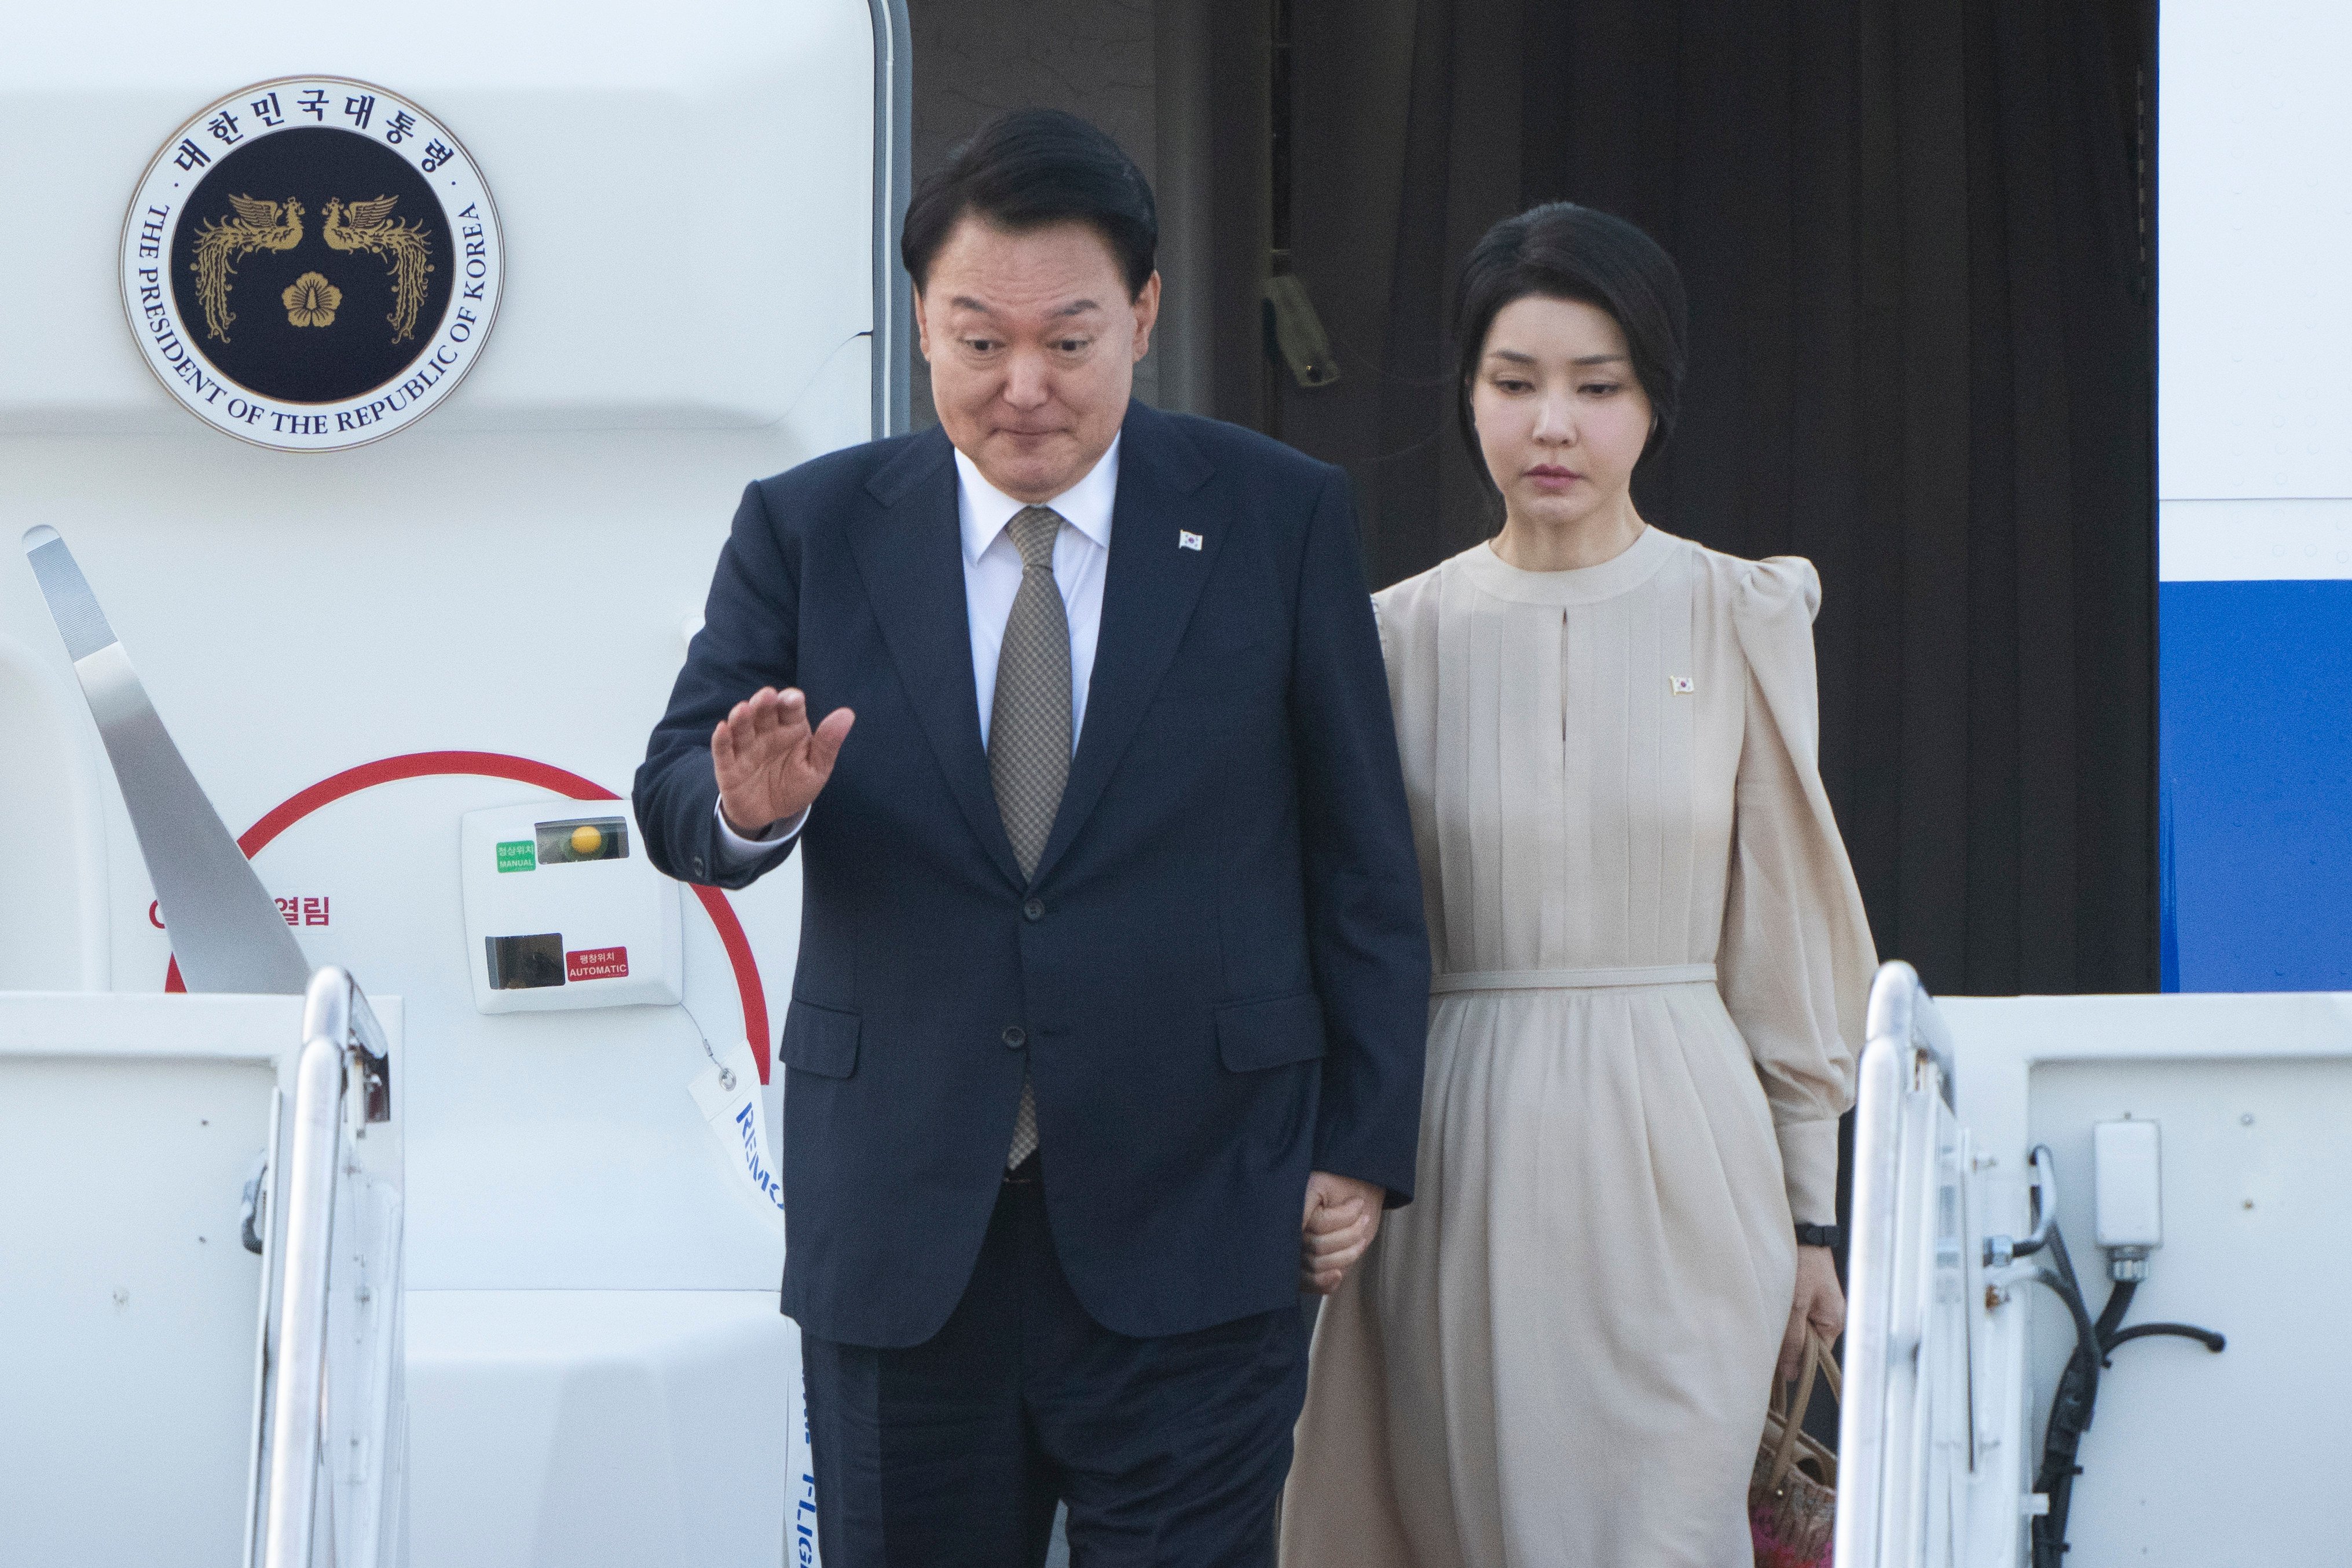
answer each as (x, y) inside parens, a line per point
(1792, 1495)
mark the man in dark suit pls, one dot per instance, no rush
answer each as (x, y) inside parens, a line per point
(1112, 962)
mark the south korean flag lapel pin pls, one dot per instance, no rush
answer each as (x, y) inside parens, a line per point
(1187, 540)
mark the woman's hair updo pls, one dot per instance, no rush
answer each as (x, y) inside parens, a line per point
(1562, 251)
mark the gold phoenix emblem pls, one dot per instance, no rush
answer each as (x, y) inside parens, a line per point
(369, 226)
(310, 301)
(259, 226)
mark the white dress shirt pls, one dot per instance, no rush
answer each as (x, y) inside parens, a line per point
(992, 576)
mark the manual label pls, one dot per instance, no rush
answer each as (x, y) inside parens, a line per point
(518, 854)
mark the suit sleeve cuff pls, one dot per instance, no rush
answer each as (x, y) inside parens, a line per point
(736, 851)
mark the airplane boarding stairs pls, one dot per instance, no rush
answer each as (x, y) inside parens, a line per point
(162, 1404)
(434, 1362)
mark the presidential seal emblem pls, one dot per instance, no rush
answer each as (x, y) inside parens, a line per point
(311, 263)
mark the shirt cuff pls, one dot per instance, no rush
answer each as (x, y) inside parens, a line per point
(736, 851)
(1809, 1162)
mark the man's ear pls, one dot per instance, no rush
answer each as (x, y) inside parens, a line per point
(922, 329)
(1147, 313)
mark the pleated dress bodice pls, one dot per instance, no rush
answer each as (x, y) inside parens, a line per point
(1582, 737)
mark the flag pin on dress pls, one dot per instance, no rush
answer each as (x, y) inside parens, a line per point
(1187, 540)
(1680, 684)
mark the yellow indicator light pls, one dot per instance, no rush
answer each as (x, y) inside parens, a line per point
(587, 839)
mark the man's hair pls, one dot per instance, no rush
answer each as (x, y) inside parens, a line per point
(1028, 168)
(1562, 251)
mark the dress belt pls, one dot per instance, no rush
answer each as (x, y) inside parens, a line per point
(1572, 979)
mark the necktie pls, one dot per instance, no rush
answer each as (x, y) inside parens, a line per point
(1029, 726)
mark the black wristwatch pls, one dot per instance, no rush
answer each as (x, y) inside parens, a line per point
(1817, 1235)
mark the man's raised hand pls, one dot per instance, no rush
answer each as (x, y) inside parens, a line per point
(770, 763)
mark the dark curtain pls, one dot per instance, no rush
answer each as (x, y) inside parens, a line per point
(1922, 356)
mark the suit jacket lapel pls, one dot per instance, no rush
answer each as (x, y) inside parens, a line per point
(1149, 586)
(910, 551)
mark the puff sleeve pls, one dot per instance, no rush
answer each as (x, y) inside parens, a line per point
(1796, 956)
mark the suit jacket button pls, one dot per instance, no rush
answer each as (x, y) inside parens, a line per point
(1016, 1037)
(1035, 909)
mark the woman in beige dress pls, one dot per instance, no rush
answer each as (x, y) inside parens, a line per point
(1651, 965)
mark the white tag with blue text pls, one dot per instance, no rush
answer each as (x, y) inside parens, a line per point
(728, 1092)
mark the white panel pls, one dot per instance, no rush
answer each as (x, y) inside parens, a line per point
(2254, 221)
(2189, 1447)
(2194, 1457)
(128, 1127)
(2242, 540)
(674, 184)
(129, 1307)
(626, 1430)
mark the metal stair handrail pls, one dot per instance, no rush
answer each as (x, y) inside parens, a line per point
(1908, 1049)
(343, 1072)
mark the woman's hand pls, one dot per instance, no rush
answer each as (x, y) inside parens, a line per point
(1819, 1306)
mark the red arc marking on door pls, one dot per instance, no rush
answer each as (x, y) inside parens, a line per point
(521, 769)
